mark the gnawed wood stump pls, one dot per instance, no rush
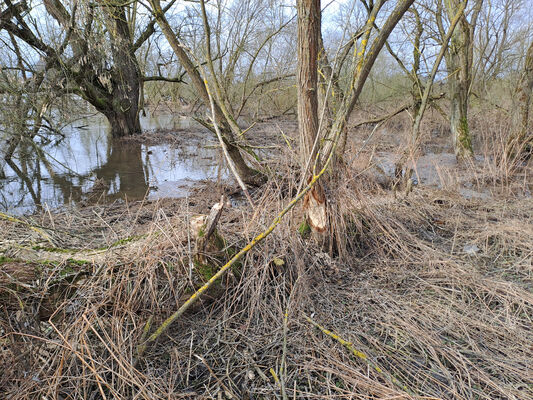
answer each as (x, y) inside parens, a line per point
(315, 208)
(210, 245)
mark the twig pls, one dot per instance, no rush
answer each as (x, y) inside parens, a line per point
(283, 366)
(226, 389)
(358, 354)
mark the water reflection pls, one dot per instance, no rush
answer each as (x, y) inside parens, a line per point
(88, 166)
(124, 173)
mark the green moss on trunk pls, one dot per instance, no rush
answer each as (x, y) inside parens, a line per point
(304, 229)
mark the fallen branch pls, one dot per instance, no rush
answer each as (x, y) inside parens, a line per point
(358, 354)
(395, 112)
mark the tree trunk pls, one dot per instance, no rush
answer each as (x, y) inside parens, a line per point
(126, 77)
(123, 123)
(521, 142)
(458, 85)
(526, 86)
(120, 104)
(308, 42)
(462, 141)
(308, 46)
(459, 60)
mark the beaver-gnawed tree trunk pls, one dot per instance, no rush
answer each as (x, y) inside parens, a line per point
(309, 19)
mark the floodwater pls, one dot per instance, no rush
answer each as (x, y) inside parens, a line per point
(437, 170)
(88, 165)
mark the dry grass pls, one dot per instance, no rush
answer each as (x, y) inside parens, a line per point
(439, 321)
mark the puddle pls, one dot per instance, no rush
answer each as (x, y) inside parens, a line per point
(88, 163)
(435, 169)
(430, 169)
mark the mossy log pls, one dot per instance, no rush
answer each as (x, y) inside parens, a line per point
(42, 276)
(42, 285)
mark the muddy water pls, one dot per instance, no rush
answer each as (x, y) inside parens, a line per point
(88, 164)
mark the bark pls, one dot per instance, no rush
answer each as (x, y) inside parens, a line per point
(330, 100)
(418, 86)
(525, 89)
(123, 123)
(308, 45)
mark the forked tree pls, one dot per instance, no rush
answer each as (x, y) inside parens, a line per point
(208, 88)
(368, 42)
(459, 58)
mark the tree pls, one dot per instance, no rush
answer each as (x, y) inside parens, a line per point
(521, 141)
(459, 63)
(209, 85)
(308, 46)
(94, 56)
(368, 47)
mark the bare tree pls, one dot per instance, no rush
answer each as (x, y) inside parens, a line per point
(459, 63)
(500, 28)
(368, 48)
(91, 47)
(220, 78)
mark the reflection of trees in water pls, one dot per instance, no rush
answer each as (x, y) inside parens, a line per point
(123, 174)
(126, 171)
(25, 180)
(28, 170)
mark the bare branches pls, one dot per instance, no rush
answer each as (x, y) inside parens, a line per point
(360, 69)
